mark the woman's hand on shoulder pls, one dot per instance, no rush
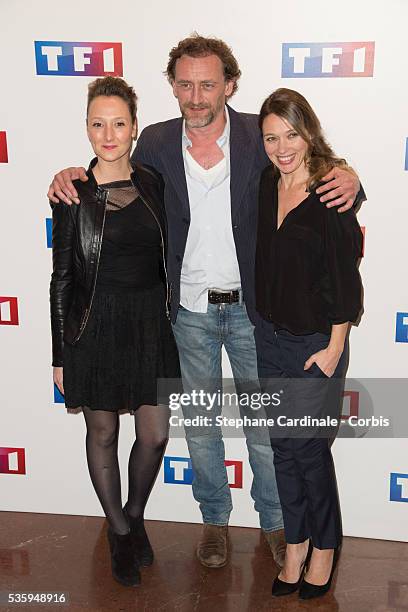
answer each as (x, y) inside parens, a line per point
(326, 360)
(59, 378)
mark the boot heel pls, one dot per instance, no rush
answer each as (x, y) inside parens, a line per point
(125, 567)
(141, 543)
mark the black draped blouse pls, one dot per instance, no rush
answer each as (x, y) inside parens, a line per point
(307, 276)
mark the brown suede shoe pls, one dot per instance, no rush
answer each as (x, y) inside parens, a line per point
(277, 544)
(212, 550)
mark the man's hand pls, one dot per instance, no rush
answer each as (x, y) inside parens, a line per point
(343, 185)
(59, 378)
(62, 188)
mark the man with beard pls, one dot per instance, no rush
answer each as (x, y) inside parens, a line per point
(211, 159)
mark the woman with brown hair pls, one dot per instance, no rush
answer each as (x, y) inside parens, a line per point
(308, 291)
(111, 334)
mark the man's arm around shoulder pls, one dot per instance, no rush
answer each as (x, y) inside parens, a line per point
(62, 188)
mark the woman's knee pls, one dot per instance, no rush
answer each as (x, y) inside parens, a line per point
(103, 436)
(103, 432)
(156, 440)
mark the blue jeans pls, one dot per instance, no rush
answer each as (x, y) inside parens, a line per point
(200, 338)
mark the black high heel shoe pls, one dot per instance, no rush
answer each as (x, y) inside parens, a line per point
(310, 591)
(280, 587)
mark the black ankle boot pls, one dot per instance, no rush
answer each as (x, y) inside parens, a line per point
(280, 587)
(142, 546)
(125, 566)
(311, 591)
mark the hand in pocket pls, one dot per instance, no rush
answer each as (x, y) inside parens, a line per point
(326, 360)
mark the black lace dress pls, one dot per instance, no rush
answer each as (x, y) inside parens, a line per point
(128, 342)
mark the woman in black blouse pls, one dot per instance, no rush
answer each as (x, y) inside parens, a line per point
(308, 291)
(111, 334)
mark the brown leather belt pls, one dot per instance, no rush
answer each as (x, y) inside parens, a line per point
(223, 297)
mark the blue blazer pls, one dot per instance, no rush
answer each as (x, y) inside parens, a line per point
(160, 146)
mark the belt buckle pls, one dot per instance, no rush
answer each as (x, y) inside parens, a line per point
(230, 292)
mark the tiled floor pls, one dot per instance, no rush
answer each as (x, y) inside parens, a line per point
(51, 553)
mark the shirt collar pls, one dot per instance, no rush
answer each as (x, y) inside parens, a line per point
(221, 141)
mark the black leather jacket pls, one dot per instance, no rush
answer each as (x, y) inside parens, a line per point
(77, 233)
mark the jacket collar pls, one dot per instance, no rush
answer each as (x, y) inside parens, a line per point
(93, 186)
(173, 163)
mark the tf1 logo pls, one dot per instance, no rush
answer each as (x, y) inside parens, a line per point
(58, 397)
(12, 460)
(345, 59)
(56, 58)
(351, 402)
(3, 148)
(8, 311)
(398, 487)
(48, 229)
(178, 470)
(401, 327)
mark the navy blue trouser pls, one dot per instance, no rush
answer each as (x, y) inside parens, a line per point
(304, 466)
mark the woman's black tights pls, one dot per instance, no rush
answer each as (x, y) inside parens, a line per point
(151, 428)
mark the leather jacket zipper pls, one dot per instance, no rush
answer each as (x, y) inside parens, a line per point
(168, 295)
(88, 310)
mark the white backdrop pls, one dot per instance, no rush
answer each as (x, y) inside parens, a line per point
(43, 117)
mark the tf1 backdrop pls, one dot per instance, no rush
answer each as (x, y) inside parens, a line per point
(351, 65)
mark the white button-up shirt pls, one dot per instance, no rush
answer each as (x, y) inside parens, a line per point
(210, 258)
